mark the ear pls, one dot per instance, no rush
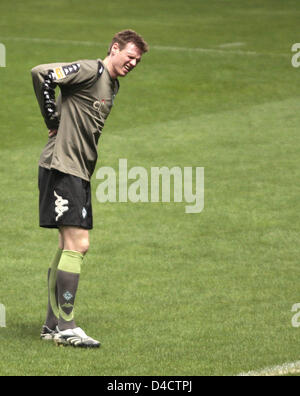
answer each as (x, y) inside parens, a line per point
(115, 48)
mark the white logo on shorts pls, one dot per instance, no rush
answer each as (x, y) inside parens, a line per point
(60, 206)
(84, 213)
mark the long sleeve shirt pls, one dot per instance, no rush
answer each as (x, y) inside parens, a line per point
(86, 96)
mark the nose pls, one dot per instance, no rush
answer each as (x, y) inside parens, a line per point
(133, 62)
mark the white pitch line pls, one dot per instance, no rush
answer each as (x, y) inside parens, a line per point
(230, 45)
(284, 369)
(205, 50)
(153, 47)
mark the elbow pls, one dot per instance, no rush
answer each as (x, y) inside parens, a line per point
(36, 72)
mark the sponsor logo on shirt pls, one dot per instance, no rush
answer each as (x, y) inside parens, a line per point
(59, 73)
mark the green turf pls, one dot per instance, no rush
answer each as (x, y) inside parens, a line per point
(166, 292)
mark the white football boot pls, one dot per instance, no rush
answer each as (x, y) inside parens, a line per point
(75, 337)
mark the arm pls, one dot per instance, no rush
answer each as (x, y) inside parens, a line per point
(44, 87)
(69, 77)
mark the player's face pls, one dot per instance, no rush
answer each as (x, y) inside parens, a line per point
(124, 61)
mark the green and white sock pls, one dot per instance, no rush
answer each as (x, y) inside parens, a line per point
(68, 274)
(53, 313)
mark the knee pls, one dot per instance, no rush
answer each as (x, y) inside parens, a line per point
(83, 246)
(80, 245)
(75, 239)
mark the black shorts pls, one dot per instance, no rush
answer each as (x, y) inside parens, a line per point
(65, 200)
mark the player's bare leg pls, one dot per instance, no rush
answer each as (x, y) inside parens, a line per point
(75, 238)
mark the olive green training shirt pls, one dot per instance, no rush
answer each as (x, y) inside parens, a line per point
(86, 97)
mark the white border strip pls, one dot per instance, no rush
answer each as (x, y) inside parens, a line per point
(154, 47)
(276, 371)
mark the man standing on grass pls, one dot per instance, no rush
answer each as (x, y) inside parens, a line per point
(75, 122)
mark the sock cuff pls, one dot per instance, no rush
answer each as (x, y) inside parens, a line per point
(70, 261)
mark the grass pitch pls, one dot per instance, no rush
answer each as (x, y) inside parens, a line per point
(167, 293)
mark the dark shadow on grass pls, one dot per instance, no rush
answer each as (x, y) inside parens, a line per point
(28, 330)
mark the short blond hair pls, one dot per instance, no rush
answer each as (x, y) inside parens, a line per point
(129, 36)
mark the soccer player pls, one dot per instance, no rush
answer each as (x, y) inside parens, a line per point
(75, 120)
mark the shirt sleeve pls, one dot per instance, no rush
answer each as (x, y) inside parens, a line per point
(68, 76)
